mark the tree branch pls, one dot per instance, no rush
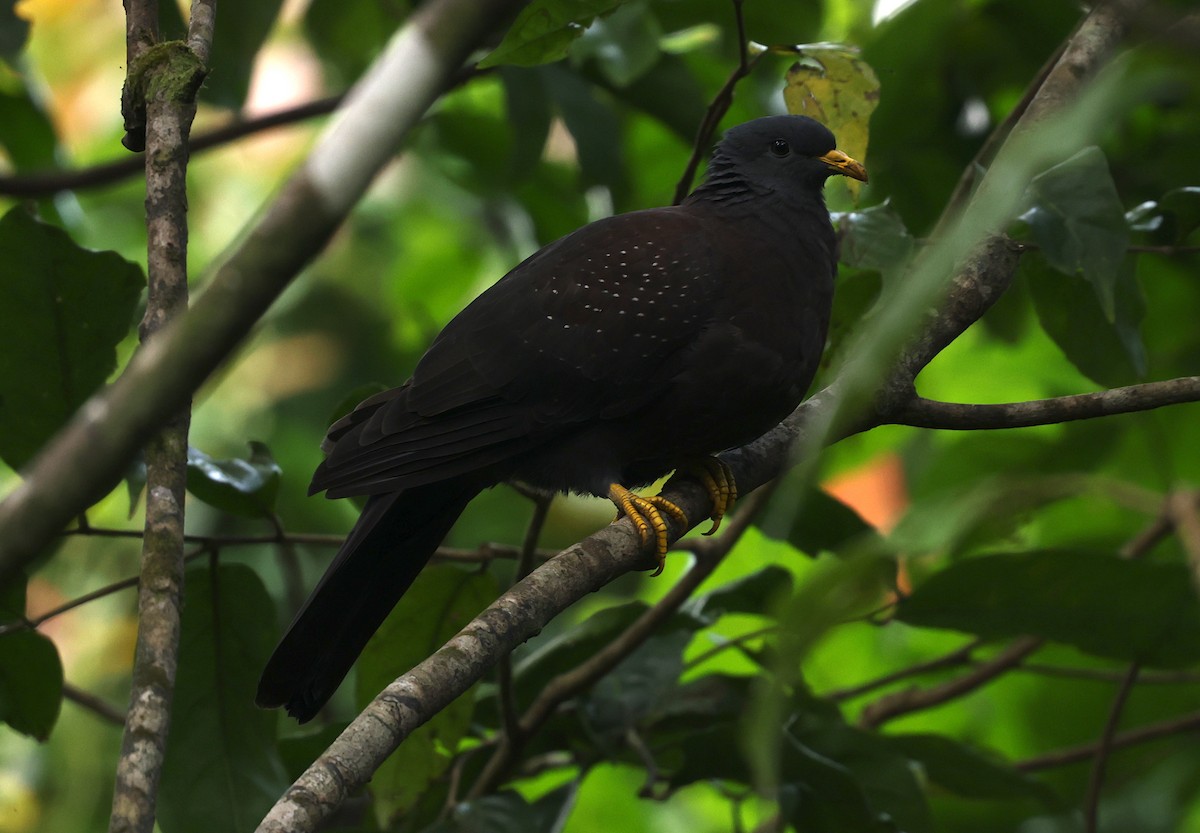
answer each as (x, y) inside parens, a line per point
(1124, 740)
(910, 700)
(90, 453)
(927, 413)
(163, 87)
(718, 107)
(1091, 803)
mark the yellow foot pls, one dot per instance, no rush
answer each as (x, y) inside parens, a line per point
(647, 515)
(718, 481)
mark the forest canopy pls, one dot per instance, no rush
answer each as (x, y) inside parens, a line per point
(959, 590)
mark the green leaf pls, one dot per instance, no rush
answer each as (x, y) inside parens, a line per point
(240, 31)
(59, 328)
(624, 44)
(241, 487)
(581, 641)
(593, 124)
(26, 132)
(968, 772)
(222, 770)
(1181, 213)
(12, 597)
(441, 601)
(979, 512)
(754, 593)
(1128, 610)
(638, 686)
(1079, 223)
(529, 114)
(13, 31)
(822, 523)
(349, 34)
(1110, 351)
(31, 682)
(874, 238)
(1171, 220)
(821, 794)
(544, 31)
(509, 812)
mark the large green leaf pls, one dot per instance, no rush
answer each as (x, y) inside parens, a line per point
(544, 31)
(510, 812)
(26, 132)
(349, 34)
(882, 781)
(240, 31)
(222, 770)
(593, 124)
(61, 316)
(968, 772)
(440, 602)
(822, 523)
(755, 593)
(874, 238)
(638, 686)
(1129, 610)
(1107, 350)
(1079, 223)
(13, 31)
(624, 44)
(31, 682)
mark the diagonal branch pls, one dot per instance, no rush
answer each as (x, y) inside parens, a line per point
(90, 453)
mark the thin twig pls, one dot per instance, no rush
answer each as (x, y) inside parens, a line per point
(96, 705)
(910, 700)
(484, 554)
(1144, 734)
(718, 107)
(1103, 675)
(726, 644)
(1091, 804)
(504, 675)
(1184, 510)
(959, 656)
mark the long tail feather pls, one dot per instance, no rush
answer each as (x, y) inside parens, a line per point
(392, 541)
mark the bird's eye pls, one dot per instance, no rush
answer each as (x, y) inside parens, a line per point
(780, 148)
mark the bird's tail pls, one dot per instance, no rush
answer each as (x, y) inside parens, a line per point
(393, 539)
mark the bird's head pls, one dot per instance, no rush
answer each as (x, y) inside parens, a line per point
(777, 154)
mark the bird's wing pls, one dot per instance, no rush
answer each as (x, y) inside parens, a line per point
(579, 332)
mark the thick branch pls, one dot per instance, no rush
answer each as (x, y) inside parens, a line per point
(927, 413)
(91, 452)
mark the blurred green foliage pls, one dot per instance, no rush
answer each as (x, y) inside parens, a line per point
(998, 532)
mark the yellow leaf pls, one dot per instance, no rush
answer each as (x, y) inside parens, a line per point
(831, 84)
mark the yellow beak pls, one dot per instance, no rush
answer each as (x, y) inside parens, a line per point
(842, 164)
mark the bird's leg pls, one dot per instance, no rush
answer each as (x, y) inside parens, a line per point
(717, 479)
(647, 513)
